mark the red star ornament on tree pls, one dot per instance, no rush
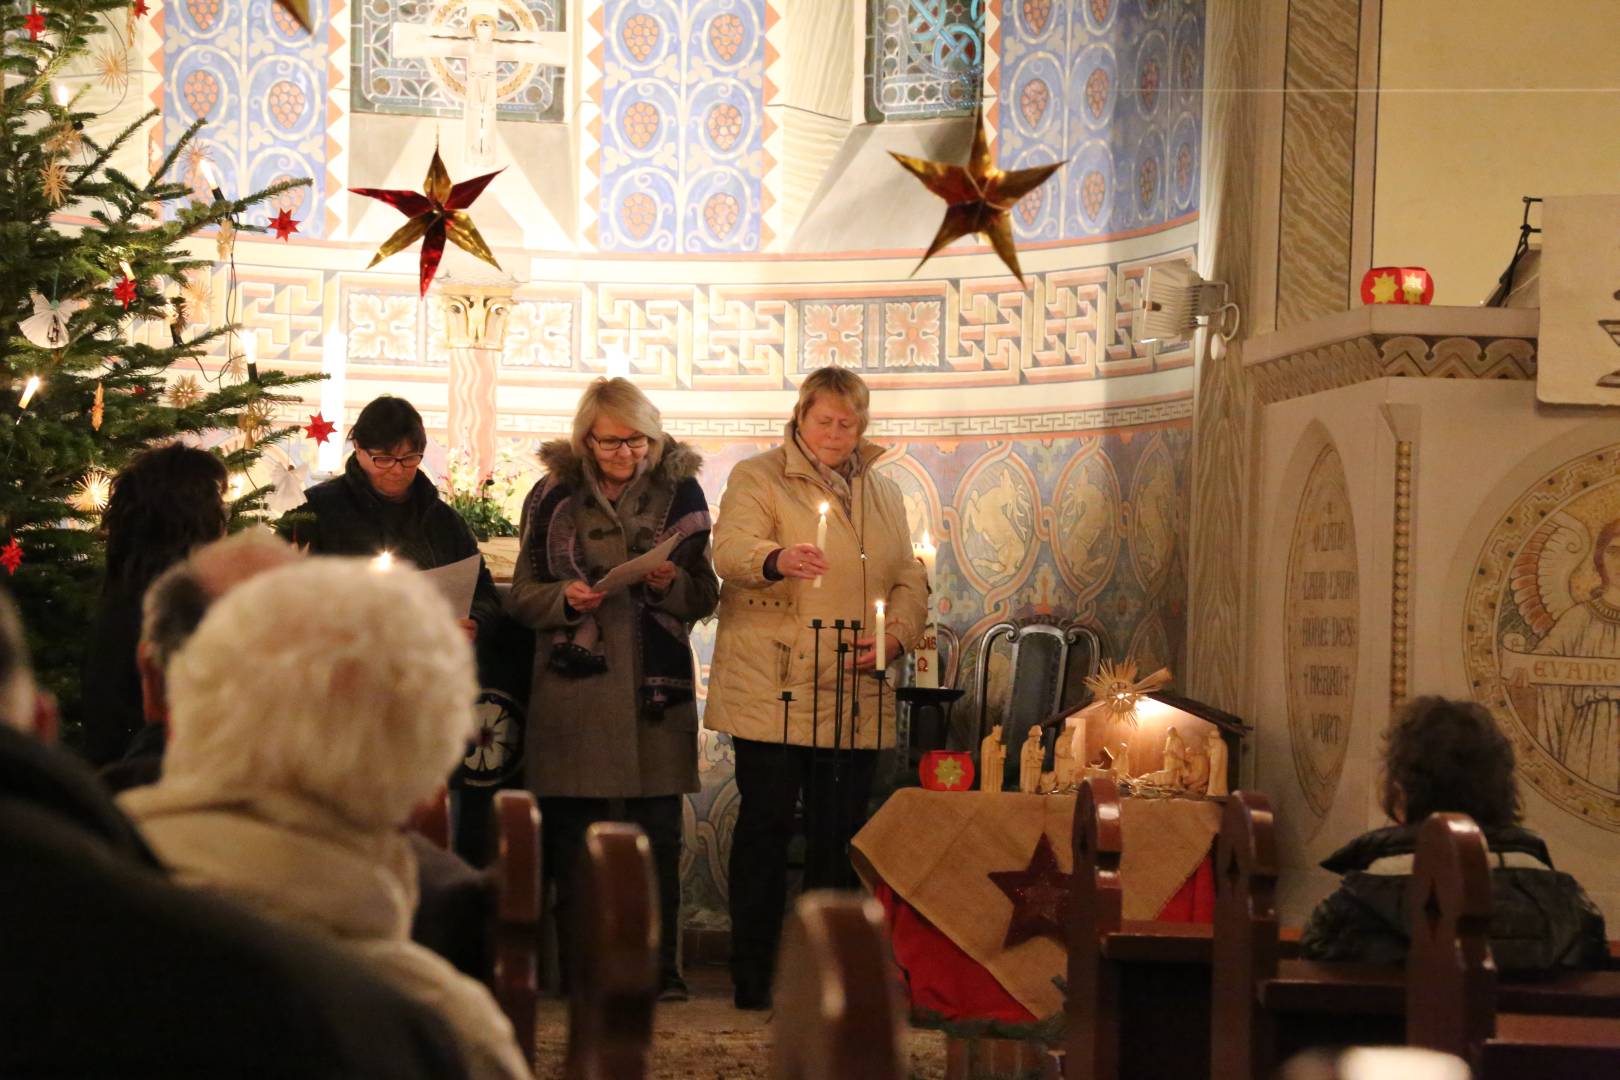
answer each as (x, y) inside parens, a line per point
(139, 9)
(283, 225)
(438, 214)
(978, 196)
(319, 428)
(34, 23)
(1039, 895)
(124, 291)
(11, 556)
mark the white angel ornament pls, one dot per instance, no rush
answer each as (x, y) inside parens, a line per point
(47, 327)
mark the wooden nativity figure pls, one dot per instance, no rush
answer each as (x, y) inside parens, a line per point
(1029, 762)
(992, 761)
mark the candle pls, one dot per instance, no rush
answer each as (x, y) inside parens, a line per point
(821, 539)
(881, 639)
(30, 388)
(927, 554)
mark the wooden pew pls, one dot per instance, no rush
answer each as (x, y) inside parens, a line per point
(514, 874)
(1263, 1009)
(614, 984)
(508, 941)
(1129, 982)
(1453, 992)
(838, 1014)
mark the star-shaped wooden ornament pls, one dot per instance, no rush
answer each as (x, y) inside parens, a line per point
(35, 25)
(1039, 895)
(978, 196)
(283, 225)
(319, 428)
(438, 214)
(11, 557)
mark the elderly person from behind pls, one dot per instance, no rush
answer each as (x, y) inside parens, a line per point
(312, 709)
(771, 511)
(613, 717)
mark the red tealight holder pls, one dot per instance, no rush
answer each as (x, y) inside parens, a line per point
(946, 770)
(1397, 285)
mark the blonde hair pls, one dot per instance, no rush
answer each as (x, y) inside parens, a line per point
(328, 680)
(623, 401)
(840, 382)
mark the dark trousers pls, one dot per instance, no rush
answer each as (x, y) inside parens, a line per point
(770, 777)
(562, 825)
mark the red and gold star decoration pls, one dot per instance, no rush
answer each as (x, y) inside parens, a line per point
(319, 428)
(11, 556)
(35, 24)
(1039, 895)
(438, 214)
(283, 225)
(946, 770)
(1397, 285)
(124, 291)
(978, 196)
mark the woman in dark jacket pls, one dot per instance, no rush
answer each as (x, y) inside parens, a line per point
(164, 503)
(1449, 757)
(383, 502)
(613, 716)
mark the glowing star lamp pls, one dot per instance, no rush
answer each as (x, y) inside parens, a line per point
(1397, 285)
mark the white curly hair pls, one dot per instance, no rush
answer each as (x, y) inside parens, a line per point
(329, 680)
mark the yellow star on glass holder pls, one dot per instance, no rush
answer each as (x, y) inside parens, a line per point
(978, 196)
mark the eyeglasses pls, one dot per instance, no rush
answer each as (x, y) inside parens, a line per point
(611, 444)
(388, 461)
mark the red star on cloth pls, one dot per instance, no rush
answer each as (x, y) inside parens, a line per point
(283, 225)
(124, 292)
(437, 214)
(35, 23)
(11, 556)
(1039, 895)
(319, 428)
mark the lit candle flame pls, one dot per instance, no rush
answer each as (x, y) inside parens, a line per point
(29, 389)
(210, 173)
(238, 485)
(383, 562)
(62, 94)
(825, 507)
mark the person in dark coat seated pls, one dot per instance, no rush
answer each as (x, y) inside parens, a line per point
(164, 503)
(111, 970)
(1449, 757)
(383, 502)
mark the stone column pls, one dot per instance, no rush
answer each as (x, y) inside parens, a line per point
(475, 327)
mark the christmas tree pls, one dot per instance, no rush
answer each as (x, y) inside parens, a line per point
(94, 332)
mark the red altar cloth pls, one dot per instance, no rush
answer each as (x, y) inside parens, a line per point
(940, 978)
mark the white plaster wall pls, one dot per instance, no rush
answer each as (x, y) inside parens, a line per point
(1477, 445)
(1481, 103)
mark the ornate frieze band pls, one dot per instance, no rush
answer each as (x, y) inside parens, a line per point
(1361, 359)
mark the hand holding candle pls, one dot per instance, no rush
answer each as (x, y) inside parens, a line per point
(821, 539)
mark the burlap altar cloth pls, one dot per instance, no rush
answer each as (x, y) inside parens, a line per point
(937, 848)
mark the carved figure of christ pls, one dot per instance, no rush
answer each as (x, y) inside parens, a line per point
(482, 45)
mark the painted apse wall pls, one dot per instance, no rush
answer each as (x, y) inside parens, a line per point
(1402, 547)
(648, 224)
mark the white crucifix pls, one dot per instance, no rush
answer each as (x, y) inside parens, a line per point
(482, 44)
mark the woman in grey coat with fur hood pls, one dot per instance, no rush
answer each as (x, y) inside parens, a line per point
(613, 712)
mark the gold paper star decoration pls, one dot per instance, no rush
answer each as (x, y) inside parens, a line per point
(978, 196)
(184, 392)
(1383, 288)
(112, 65)
(54, 178)
(92, 492)
(253, 422)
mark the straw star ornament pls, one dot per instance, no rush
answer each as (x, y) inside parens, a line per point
(978, 196)
(438, 214)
